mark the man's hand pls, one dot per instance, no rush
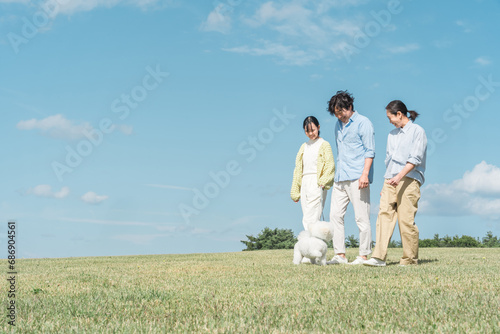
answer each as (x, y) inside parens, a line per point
(363, 182)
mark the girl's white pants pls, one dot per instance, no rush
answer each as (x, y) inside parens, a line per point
(312, 199)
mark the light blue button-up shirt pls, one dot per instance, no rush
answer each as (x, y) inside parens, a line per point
(355, 142)
(406, 144)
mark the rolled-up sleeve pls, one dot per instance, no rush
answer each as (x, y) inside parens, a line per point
(418, 149)
(368, 138)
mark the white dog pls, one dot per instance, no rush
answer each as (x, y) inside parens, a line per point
(310, 247)
(311, 244)
(322, 230)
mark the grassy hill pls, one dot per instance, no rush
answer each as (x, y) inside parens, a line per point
(452, 290)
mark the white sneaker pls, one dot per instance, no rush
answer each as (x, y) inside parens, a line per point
(359, 260)
(337, 259)
(305, 260)
(374, 262)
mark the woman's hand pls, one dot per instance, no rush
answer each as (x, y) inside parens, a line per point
(394, 181)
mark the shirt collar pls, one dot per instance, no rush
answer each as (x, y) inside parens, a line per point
(406, 127)
(351, 119)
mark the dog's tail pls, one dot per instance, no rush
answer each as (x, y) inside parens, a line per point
(304, 234)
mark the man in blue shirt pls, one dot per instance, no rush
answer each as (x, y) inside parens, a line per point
(355, 139)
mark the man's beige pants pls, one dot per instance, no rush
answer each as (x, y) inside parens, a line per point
(400, 204)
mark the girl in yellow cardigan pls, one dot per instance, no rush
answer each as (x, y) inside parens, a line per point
(313, 174)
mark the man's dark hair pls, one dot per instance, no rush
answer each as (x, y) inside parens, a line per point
(342, 100)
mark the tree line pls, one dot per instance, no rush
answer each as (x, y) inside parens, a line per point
(285, 239)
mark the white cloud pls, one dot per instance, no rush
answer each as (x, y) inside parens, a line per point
(56, 126)
(44, 190)
(476, 193)
(302, 32)
(125, 129)
(59, 127)
(73, 6)
(296, 11)
(464, 25)
(218, 20)
(69, 7)
(484, 179)
(288, 12)
(315, 77)
(166, 186)
(92, 198)
(290, 55)
(404, 48)
(326, 5)
(442, 44)
(296, 21)
(483, 61)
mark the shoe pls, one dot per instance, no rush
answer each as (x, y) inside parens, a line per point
(374, 262)
(359, 260)
(305, 260)
(337, 259)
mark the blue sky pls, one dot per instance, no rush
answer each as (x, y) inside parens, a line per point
(154, 127)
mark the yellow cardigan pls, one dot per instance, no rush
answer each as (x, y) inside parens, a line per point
(326, 169)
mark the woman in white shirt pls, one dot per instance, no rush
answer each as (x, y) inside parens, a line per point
(405, 166)
(313, 173)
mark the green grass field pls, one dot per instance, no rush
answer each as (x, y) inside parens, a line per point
(452, 290)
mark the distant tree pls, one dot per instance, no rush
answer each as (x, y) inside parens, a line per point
(445, 241)
(430, 242)
(427, 243)
(465, 241)
(271, 239)
(490, 241)
(351, 242)
(284, 239)
(394, 244)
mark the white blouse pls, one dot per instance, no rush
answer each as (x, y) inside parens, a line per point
(310, 158)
